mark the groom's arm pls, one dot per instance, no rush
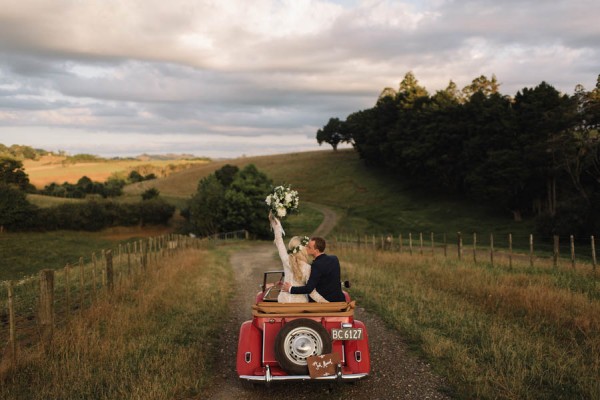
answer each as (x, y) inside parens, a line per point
(314, 277)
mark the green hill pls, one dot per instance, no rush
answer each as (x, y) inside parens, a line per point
(369, 201)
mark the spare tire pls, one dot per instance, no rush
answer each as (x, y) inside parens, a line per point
(296, 341)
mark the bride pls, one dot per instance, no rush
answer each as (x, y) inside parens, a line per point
(295, 264)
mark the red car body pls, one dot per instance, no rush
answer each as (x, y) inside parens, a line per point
(276, 343)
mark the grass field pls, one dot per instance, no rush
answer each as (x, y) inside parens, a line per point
(154, 339)
(492, 331)
(495, 333)
(51, 169)
(25, 254)
(369, 201)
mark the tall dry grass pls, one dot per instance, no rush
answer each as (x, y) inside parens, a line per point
(154, 340)
(517, 333)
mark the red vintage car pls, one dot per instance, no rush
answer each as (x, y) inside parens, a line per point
(276, 343)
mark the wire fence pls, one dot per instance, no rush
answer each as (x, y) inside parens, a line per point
(32, 308)
(482, 248)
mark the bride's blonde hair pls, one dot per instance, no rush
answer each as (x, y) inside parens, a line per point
(297, 254)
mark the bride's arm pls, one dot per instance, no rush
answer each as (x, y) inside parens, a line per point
(278, 233)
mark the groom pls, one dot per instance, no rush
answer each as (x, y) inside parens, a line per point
(324, 274)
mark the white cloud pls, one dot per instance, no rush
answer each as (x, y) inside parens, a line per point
(218, 68)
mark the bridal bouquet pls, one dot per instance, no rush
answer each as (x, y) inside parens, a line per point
(282, 201)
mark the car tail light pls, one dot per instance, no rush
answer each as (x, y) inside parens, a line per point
(248, 357)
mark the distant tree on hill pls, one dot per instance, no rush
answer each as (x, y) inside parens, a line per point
(151, 193)
(334, 133)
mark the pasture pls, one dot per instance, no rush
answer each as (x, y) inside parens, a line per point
(49, 169)
(153, 338)
(494, 331)
(369, 201)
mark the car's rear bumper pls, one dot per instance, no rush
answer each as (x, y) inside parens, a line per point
(268, 377)
(347, 377)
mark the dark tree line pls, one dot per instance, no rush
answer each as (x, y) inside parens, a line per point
(17, 214)
(113, 187)
(536, 154)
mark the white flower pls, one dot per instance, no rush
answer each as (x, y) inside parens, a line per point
(282, 201)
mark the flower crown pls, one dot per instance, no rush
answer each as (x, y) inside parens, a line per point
(303, 242)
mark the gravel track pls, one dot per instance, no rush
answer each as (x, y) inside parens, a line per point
(396, 373)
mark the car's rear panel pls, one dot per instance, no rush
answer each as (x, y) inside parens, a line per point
(256, 356)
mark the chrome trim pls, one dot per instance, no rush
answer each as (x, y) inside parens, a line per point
(263, 344)
(358, 356)
(248, 357)
(268, 377)
(346, 325)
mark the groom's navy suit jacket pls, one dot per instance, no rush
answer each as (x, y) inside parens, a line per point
(325, 277)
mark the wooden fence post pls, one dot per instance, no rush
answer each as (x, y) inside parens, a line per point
(129, 259)
(400, 242)
(459, 245)
(475, 247)
(109, 271)
(410, 243)
(593, 253)
(572, 240)
(421, 243)
(81, 285)
(492, 249)
(94, 272)
(104, 269)
(531, 250)
(510, 246)
(68, 292)
(46, 307)
(555, 252)
(12, 328)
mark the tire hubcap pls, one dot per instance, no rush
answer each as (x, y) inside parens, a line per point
(302, 343)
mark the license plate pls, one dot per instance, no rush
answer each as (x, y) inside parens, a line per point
(347, 334)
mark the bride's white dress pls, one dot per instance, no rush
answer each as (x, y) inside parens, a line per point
(285, 297)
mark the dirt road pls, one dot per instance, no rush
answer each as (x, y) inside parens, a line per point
(395, 373)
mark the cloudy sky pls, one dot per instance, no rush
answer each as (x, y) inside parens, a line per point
(225, 78)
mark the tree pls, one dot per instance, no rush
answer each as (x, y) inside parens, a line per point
(218, 207)
(245, 202)
(226, 174)
(334, 133)
(151, 193)
(543, 115)
(482, 84)
(135, 177)
(206, 210)
(12, 173)
(16, 212)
